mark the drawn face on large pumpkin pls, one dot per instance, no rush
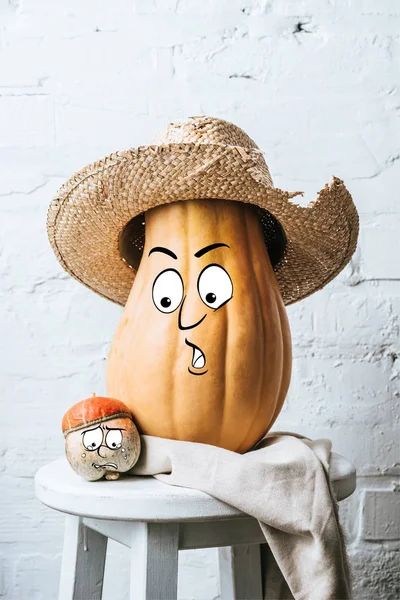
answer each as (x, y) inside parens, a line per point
(214, 288)
(202, 352)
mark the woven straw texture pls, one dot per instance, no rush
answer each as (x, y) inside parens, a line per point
(203, 157)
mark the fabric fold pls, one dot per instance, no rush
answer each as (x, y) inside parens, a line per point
(283, 483)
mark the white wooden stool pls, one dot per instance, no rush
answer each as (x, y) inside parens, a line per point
(155, 520)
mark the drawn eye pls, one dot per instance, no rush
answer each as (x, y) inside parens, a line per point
(215, 286)
(92, 439)
(168, 291)
(114, 439)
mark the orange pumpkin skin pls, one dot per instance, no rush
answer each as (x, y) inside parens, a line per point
(246, 342)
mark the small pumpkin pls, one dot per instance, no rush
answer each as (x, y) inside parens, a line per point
(101, 439)
(203, 352)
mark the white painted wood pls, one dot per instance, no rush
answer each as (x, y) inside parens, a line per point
(205, 534)
(276, 586)
(154, 561)
(119, 531)
(128, 498)
(240, 572)
(342, 474)
(145, 498)
(226, 579)
(155, 520)
(215, 534)
(72, 539)
(83, 562)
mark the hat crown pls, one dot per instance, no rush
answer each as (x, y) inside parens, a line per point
(205, 130)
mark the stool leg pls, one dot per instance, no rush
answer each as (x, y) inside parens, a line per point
(240, 572)
(154, 561)
(83, 560)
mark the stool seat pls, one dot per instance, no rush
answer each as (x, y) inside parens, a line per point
(147, 499)
(156, 520)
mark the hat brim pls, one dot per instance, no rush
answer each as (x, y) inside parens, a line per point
(91, 209)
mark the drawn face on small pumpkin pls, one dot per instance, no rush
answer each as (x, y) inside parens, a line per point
(214, 287)
(108, 447)
(100, 438)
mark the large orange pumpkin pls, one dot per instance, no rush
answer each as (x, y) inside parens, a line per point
(202, 351)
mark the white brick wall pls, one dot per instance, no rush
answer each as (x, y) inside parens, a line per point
(316, 83)
(381, 515)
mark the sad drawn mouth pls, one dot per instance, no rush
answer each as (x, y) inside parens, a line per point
(198, 358)
(105, 465)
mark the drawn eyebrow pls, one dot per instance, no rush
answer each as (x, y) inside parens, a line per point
(93, 429)
(164, 250)
(114, 428)
(208, 248)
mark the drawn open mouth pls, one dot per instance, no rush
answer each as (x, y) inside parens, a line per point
(198, 358)
(105, 465)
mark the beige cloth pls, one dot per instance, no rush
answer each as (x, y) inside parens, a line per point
(282, 483)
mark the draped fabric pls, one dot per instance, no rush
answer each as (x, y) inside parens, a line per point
(283, 483)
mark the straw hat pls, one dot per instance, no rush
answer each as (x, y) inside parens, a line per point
(96, 222)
